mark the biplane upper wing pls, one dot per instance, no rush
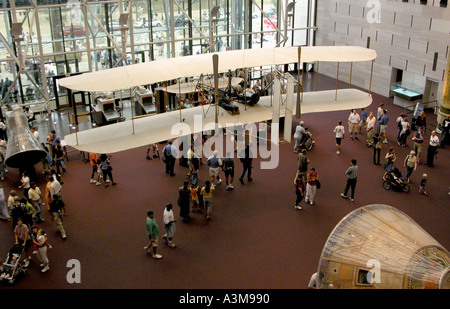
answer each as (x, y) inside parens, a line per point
(173, 68)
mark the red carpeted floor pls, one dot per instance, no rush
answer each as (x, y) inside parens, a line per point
(255, 240)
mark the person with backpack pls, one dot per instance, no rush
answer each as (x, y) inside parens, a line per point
(228, 168)
(57, 212)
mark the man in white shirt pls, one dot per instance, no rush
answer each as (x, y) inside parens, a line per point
(169, 225)
(353, 124)
(55, 187)
(432, 148)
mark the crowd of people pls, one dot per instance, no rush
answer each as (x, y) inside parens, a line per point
(373, 125)
(194, 197)
(24, 206)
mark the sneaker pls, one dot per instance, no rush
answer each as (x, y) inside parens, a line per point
(231, 187)
(42, 265)
(97, 183)
(171, 244)
(46, 268)
(26, 263)
(311, 203)
(344, 196)
(337, 152)
(157, 256)
(351, 199)
(35, 252)
(356, 137)
(385, 142)
(220, 181)
(146, 248)
(64, 237)
(92, 181)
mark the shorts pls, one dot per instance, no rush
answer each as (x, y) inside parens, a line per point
(338, 140)
(229, 173)
(383, 128)
(214, 171)
(353, 127)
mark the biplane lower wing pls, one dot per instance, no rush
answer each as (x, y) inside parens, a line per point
(161, 127)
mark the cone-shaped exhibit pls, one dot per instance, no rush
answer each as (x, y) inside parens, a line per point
(23, 148)
(379, 246)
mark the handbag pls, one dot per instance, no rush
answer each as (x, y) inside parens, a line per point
(318, 185)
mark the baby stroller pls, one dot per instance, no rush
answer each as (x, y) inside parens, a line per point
(393, 178)
(13, 267)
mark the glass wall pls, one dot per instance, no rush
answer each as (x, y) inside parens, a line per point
(39, 45)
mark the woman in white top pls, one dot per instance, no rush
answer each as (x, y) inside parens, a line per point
(25, 180)
(404, 132)
(40, 242)
(169, 225)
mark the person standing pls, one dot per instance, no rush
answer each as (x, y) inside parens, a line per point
(353, 123)
(41, 243)
(299, 190)
(214, 163)
(340, 133)
(370, 129)
(247, 163)
(311, 186)
(352, 176)
(298, 135)
(169, 225)
(411, 164)
(25, 180)
(399, 121)
(383, 126)
(228, 168)
(404, 132)
(302, 166)
(445, 131)
(423, 185)
(170, 152)
(184, 201)
(152, 234)
(93, 160)
(379, 114)
(35, 198)
(105, 165)
(22, 237)
(364, 116)
(418, 143)
(206, 192)
(432, 148)
(421, 122)
(57, 211)
(59, 159)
